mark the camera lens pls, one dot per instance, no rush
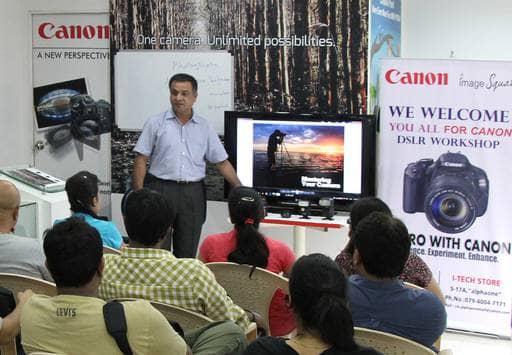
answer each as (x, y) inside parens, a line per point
(450, 210)
(453, 208)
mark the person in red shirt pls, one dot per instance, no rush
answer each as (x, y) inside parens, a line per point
(246, 245)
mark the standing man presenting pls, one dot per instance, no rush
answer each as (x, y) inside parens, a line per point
(177, 143)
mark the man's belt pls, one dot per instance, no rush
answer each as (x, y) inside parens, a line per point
(175, 181)
(183, 181)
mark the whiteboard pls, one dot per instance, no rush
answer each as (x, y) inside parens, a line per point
(141, 79)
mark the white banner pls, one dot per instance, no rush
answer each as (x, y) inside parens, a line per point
(71, 80)
(444, 167)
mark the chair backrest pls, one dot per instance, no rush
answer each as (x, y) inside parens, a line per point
(389, 344)
(18, 283)
(413, 286)
(110, 250)
(252, 292)
(187, 319)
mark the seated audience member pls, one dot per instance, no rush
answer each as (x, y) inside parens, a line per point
(10, 325)
(73, 321)
(378, 299)
(415, 271)
(82, 191)
(18, 255)
(245, 245)
(143, 270)
(324, 323)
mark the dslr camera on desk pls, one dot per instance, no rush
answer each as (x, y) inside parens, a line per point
(450, 191)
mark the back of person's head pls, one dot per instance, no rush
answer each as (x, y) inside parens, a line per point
(73, 252)
(383, 244)
(318, 298)
(147, 217)
(246, 210)
(183, 77)
(81, 189)
(9, 204)
(362, 208)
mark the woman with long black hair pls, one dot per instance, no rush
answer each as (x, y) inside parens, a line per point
(324, 323)
(246, 245)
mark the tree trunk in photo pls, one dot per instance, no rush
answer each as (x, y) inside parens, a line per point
(300, 83)
(332, 96)
(345, 60)
(251, 54)
(323, 66)
(129, 24)
(274, 74)
(312, 55)
(285, 79)
(261, 77)
(363, 56)
(354, 48)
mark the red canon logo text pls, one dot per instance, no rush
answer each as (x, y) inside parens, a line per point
(48, 30)
(394, 76)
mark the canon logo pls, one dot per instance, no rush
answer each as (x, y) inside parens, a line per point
(455, 165)
(394, 76)
(48, 30)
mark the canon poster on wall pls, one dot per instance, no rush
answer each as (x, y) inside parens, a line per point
(444, 166)
(71, 95)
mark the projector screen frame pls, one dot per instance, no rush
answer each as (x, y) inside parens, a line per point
(342, 200)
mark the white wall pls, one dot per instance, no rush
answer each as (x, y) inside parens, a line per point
(472, 29)
(16, 113)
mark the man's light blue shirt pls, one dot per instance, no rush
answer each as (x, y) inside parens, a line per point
(179, 151)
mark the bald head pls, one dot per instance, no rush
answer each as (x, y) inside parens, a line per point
(9, 203)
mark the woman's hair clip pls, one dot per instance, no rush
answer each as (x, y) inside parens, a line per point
(249, 221)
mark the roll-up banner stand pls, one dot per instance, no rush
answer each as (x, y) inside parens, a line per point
(71, 96)
(444, 151)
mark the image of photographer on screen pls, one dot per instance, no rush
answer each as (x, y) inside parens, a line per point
(275, 142)
(450, 191)
(298, 156)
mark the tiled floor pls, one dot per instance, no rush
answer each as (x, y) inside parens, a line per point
(468, 344)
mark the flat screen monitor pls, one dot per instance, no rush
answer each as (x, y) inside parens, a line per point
(289, 157)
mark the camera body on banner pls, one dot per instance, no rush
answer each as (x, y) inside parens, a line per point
(89, 117)
(450, 191)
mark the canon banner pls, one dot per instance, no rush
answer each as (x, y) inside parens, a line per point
(71, 87)
(444, 167)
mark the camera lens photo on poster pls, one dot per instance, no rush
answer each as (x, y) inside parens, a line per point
(450, 191)
(71, 113)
